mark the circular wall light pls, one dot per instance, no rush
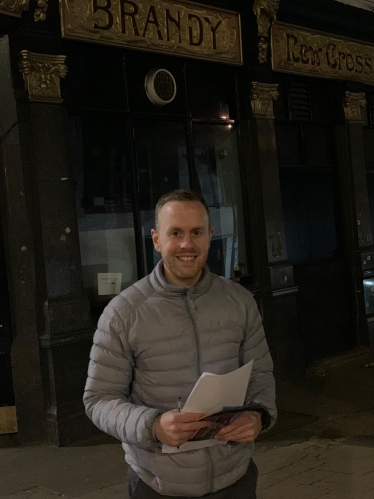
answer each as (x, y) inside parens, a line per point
(160, 86)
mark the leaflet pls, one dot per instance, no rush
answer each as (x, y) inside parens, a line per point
(211, 394)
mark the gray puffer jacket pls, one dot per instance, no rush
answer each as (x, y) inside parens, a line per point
(153, 342)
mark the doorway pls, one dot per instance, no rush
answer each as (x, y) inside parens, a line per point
(314, 231)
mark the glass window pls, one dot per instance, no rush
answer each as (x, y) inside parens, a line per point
(161, 152)
(309, 214)
(211, 91)
(289, 145)
(217, 166)
(323, 155)
(87, 86)
(104, 204)
(369, 162)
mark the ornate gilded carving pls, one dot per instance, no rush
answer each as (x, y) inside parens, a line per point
(262, 96)
(352, 107)
(266, 12)
(13, 7)
(298, 50)
(173, 27)
(42, 74)
(40, 13)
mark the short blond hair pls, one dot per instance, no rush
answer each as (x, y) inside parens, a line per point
(181, 195)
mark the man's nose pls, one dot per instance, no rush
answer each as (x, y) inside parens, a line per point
(187, 242)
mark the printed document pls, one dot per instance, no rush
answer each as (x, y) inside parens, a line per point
(211, 394)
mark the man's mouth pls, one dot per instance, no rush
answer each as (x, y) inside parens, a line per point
(186, 258)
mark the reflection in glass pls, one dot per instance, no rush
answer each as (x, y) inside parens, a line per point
(104, 206)
(217, 166)
(162, 167)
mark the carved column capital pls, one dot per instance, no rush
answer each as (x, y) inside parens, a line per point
(42, 74)
(262, 96)
(40, 13)
(352, 106)
(266, 12)
(13, 7)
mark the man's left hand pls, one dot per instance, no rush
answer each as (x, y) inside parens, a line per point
(244, 428)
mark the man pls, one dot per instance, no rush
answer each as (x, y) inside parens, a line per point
(153, 342)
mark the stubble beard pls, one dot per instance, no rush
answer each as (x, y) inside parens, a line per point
(174, 268)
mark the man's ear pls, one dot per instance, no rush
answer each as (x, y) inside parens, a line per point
(211, 234)
(155, 239)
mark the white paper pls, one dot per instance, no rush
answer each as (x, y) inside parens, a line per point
(211, 393)
(109, 283)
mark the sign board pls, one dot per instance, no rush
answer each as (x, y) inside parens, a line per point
(302, 51)
(109, 283)
(177, 28)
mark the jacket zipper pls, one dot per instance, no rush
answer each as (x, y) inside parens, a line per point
(197, 341)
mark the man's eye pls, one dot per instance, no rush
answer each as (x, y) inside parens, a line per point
(175, 233)
(197, 232)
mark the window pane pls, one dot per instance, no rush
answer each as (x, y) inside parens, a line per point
(289, 145)
(211, 91)
(369, 163)
(104, 204)
(161, 152)
(319, 146)
(309, 214)
(217, 166)
(90, 88)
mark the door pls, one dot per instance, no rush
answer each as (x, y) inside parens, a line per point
(314, 232)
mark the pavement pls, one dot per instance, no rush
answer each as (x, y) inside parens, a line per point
(322, 447)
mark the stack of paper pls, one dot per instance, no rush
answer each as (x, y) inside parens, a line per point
(211, 394)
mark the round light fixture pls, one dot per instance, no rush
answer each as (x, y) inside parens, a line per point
(160, 86)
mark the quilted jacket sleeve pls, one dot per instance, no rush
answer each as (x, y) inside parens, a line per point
(261, 388)
(107, 393)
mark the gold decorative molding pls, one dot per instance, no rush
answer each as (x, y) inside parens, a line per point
(42, 74)
(353, 103)
(13, 7)
(265, 12)
(314, 53)
(262, 97)
(40, 13)
(176, 27)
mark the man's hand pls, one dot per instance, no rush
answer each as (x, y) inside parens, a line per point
(176, 428)
(244, 428)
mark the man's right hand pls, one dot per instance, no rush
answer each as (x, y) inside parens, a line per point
(176, 428)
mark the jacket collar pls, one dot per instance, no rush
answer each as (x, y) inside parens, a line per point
(160, 284)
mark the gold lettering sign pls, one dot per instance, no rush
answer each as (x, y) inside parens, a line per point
(296, 50)
(183, 28)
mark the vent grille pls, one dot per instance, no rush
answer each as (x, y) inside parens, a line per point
(299, 101)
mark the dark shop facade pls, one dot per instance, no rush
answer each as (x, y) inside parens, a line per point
(265, 107)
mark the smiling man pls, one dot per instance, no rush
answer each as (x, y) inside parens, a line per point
(153, 342)
(182, 236)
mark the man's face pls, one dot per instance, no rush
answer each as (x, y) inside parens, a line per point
(183, 239)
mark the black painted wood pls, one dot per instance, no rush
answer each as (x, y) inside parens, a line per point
(277, 290)
(356, 215)
(6, 382)
(20, 252)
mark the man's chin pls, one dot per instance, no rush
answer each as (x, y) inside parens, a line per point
(187, 274)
